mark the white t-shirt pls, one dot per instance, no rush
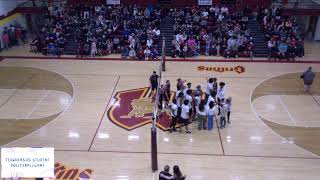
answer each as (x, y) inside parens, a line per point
(223, 111)
(180, 102)
(209, 88)
(197, 100)
(210, 98)
(177, 93)
(211, 111)
(228, 107)
(203, 113)
(185, 112)
(220, 93)
(189, 98)
(157, 32)
(174, 109)
(185, 91)
(147, 51)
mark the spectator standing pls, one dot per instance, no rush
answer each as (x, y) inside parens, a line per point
(308, 77)
(93, 49)
(6, 40)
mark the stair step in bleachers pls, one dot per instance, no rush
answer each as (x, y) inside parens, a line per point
(166, 29)
(260, 43)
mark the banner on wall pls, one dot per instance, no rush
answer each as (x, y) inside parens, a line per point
(205, 2)
(27, 162)
(113, 2)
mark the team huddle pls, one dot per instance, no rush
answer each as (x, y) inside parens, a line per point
(190, 105)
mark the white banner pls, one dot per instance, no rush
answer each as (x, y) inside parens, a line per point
(113, 2)
(205, 2)
(27, 162)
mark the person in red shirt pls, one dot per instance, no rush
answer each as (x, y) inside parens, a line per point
(18, 34)
(250, 49)
(6, 40)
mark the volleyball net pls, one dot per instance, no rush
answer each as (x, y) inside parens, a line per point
(154, 150)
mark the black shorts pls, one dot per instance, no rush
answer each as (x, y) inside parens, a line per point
(179, 112)
(174, 120)
(154, 87)
(220, 100)
(190, 111)
(184, 121)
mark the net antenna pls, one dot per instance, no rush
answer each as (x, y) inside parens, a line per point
(154, 149)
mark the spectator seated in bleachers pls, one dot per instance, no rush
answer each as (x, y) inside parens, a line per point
(210, 31)
(284, 40)
(107, 28)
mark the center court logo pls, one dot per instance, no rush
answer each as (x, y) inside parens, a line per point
(237, 69)
(131, 109)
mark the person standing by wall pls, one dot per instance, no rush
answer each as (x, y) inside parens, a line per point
(308, 77)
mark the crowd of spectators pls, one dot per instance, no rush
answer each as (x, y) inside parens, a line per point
(282, 34)
(13, 36)
(211, 31)
(134, 32)
(54, 34)
(101, 30)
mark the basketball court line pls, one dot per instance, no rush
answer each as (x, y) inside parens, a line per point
(15, 91)
(38, 103)
(220, 137)
(317, 102)
(286, 109)
(258, 119)
(104, 113)
(64, 110)
(192, 154)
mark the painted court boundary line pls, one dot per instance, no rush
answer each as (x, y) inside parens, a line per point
(16, 90)
(286, 109)
(104, 113)
(221, 143)
(169, 60)
(190, 154)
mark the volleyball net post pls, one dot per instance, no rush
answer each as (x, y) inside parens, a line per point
(154, 147)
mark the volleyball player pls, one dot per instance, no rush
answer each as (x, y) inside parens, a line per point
(174, 115)
(167, 93)
(185, 115)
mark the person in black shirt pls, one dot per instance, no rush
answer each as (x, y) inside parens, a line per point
(154, 82)
(163, 175)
